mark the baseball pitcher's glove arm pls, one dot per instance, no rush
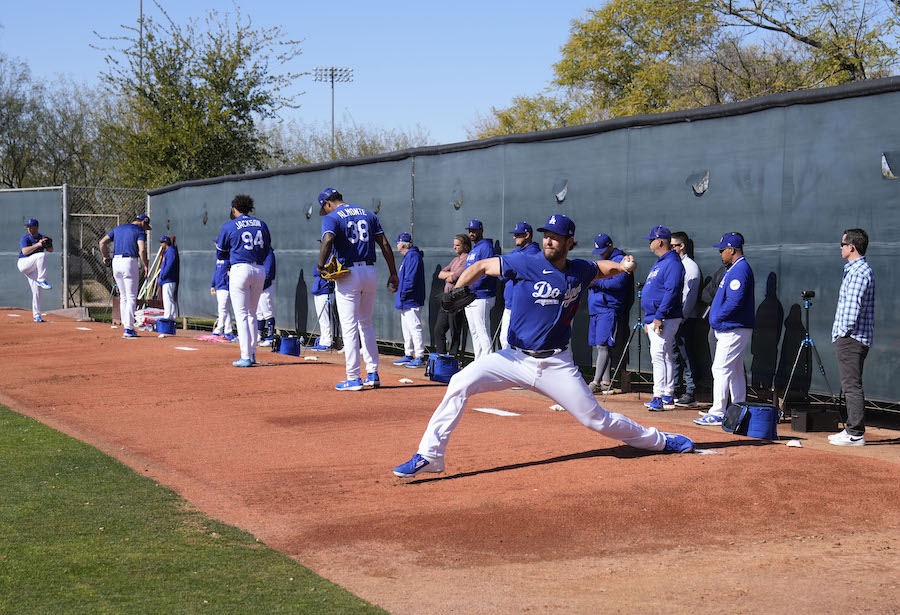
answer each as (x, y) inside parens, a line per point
(333, 269)
(457, 299)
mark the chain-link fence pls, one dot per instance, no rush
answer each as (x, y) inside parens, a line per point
(90, 213)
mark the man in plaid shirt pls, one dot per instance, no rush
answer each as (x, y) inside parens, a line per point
(852, 332)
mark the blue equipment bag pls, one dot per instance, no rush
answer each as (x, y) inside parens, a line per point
(441, 367)
(755, 421)
(165, 326)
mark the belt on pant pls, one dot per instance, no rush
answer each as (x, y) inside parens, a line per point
(541, 354)
(359, 263)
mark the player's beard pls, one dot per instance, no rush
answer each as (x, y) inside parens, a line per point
(555, 255)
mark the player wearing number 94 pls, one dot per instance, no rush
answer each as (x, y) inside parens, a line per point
(245, 242)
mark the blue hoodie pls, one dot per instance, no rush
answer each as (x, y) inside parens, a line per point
(610, 293)
(411, 291)
(168, 268)
(735, 301)
(661, 299)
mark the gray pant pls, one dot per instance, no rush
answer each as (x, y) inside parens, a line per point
(851, 354)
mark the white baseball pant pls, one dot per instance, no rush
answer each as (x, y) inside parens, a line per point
(663, 357)
(556, 377)
(324, 315)
(224, 323)
(355, 298)
(126, 271)
(728, 369)
(245, 287)
(34, 268)
(478, 314)
(411, 325)
(168, 298)
(266, 307)
(504, 328)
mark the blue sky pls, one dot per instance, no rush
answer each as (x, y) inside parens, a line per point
(438, 65)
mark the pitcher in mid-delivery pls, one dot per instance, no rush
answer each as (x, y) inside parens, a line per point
(549, 289)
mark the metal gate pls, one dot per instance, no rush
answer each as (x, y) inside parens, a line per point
(88, 214)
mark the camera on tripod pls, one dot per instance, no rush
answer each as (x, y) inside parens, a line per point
(807, 294)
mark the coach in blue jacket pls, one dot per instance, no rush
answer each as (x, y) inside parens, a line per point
(169, 271)
(731, 317)
(661, 302)
(410, 299)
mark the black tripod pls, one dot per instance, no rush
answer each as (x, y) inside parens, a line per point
(806, 344)
(638, 326)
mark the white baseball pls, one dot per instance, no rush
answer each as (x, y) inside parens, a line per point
(628, 265)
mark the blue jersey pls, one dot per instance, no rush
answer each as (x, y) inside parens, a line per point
(735, 299)
(321, 286)
(411, 290)
(531, 248)
(545, 299)
(487, 285)
(125, 239)
(220, 275)
(270, 269)
(354, 230)
(663, 291)
(244, 240)
(29, 240)
(168, 268)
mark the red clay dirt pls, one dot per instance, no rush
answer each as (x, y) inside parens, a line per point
(534, 513)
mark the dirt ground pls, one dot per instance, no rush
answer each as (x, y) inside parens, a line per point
(534, 514)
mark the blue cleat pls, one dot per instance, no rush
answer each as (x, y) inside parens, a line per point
(230, 337)
(320, 348)
(372, 380)
(655, 404)
(350, 385)
(130, 334)
(676, 443)
(668, 402)
(43, 284)
(709, 419)
(39, 319)
(418, 465)
(417, 362)
(242, 363)
(403, 360)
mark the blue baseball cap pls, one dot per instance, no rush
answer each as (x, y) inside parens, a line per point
(31, 222)
(730, 240)
(404, 238)
(659, 232)
(559, 224)
(475, 224)
(165, 238)
(144, 218)
(521, 228)
(323, 196)
(602, 242)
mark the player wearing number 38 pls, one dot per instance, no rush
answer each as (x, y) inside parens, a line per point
(245, 242)
(352, 232)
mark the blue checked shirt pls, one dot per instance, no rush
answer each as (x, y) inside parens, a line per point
(855, 312)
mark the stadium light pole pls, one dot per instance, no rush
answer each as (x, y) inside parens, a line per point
(332, 74)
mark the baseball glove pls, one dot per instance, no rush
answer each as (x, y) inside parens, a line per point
(457, 299)
(334, 269)
(48, 243)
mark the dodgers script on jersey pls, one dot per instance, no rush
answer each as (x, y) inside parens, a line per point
(545, 299)
(354, 230)
(244, 240)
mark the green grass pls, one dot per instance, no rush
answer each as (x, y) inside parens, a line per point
(82, 533)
